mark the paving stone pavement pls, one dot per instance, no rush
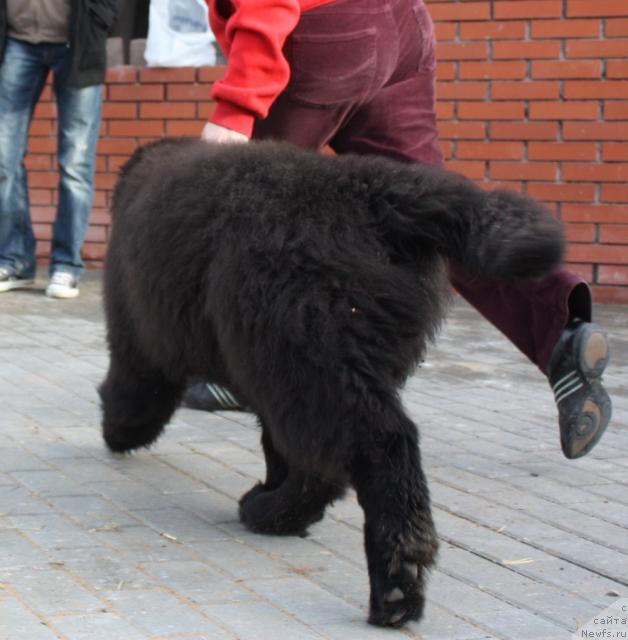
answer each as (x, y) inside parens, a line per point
(96, 546)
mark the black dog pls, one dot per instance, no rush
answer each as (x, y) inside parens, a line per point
(309, 285)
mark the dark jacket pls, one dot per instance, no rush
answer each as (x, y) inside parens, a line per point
(90, 21)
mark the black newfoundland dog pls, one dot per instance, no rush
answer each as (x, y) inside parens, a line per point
(310, 286)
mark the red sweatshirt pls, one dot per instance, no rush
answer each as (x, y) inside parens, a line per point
(252, 37)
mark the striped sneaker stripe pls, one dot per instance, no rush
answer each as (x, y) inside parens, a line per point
(567, 386)
(224, 397)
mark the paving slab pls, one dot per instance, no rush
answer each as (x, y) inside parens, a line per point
(148, 546)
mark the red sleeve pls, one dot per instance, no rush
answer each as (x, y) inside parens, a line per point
(257, 72)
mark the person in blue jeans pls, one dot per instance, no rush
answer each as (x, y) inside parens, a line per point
(67, 38)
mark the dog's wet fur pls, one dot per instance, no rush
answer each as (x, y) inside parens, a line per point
(310, 286)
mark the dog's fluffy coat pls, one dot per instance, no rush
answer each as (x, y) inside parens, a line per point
(309, 285)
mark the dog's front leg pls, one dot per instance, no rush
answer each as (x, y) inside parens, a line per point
(399, 534)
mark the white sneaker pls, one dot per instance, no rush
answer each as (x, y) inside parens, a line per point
(10, 280)
(62, 285)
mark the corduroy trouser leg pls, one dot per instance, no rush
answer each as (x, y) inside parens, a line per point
(363, 81)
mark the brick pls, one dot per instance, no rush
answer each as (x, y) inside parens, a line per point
(45, 110)
(445, 31)
(595, 131)
(614, 151)
(603, 254)
(117, 146)
(211, 74)
(42, 179)
(472, 11)
(43, 214)
(462, 51)
(562, 151)
(40, 196)
(187, 92)
(527, 9)
(492, 70)
(523, 170)
(617, 69)
(444, 110)
(562, 192)
(525, 90)
(614, 234)
(609, 214)
(611, 48)
(490, 110)
(124, 129)
(616, 110)
(42, 128)
(564, 111)
(580, 232)
(174, 75)
(575, 89)
(119, 111)
(114, 163)
(614, 193)
(184, 128)
(526, 50)
(42, 145)
(206, 109)
(462, 90)
(493, 30)
(446, 149)
(490, 150)
(524, 130)
(471, 169)
(616, 27)
(614, 274)
(462, 130)
(94, 251)
(168, 110)
(132, 93)
(596, 172)
(105, 180)
(121, 75)
(565, 29)
(38, 162)
(567, 69)
(577, 8)
(445, 70)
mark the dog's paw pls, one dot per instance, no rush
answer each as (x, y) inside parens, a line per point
(398, 567)
(399, 598)
(268, 511)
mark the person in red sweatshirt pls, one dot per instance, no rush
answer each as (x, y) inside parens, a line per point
(359, 76)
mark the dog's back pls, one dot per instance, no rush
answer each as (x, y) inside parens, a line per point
(268, 239)
(260, 240)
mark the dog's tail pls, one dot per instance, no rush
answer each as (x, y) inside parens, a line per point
(498, 233)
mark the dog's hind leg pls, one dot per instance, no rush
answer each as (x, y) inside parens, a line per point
(289, 501)
(137, 401)
(399, 534)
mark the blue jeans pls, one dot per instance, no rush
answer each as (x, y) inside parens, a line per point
(22, 78)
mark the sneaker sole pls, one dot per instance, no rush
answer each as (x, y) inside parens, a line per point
(61, 293)
(15, 284)
(591, 350)
(594, 418)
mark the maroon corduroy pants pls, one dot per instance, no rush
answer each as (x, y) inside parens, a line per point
(363, 76)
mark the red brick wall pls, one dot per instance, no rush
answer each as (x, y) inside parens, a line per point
(532, 94)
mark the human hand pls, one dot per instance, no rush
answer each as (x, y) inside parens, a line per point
(215, 133)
